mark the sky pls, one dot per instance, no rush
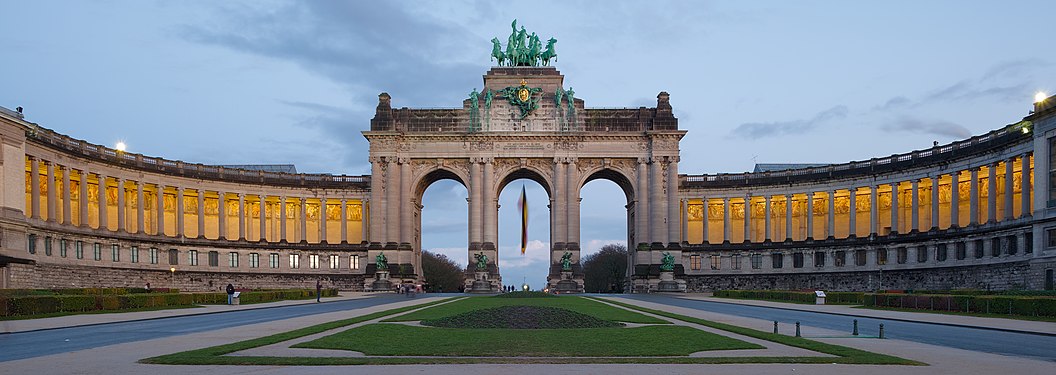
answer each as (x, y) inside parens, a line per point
(261, 82)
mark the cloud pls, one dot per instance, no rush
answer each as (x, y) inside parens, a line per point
(594, 246)
(936, 127)
(894, 103)
(773, 129)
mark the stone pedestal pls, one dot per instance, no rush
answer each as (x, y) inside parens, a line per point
(568, 284)
(381, 283)
(668, 283)
(481, 284)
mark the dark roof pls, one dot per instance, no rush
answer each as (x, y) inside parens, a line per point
(279, 168)
(771, 167)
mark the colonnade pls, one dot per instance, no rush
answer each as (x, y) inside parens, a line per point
(656, 202)
(983, 194)
(72, 196)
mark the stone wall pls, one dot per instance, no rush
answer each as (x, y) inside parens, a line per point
(1003, 276)
(58, 276)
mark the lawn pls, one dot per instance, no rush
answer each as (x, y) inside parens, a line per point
(403, 340)
(577, 304)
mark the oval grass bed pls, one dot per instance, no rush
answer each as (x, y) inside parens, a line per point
(521, 317)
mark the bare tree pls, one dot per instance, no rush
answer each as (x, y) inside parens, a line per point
(441, 273)
(605, 270)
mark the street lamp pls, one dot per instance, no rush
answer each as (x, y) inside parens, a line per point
(172, 270)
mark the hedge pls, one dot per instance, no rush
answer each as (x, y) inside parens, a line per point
(984, 304)
(31, 304)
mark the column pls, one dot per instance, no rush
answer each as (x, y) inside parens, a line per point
(120, 204)
(659, 210)
(392, 204)
(915, 206)
(684, 214)
(490, 207)
(991, 193)
(852, 217)
(894, 210)
(475, 198)
(304, 219)
(704, 227)
(180, 214)
(726, 219)
(377, 185)
(831, 227)
(766, 218)
(103, 217)
(641, 204)
(241, 216)
(672, 199)
(34, 188)
(572, 192)
(1025, 186)
(973, 197)
(747, 218)
(51, 191)
(83, 201)
(810, 215)
(935, 202)
(282, 218)
(160, 211)
(201, 212)
(67, 209)
(788, 217)
(955, 200)
(344, 220)
(140, 209)
(322, 220)
(407, 203)
(365, 222)
(874, 210)
(263, 217)
(221, 205)
(1009, 184)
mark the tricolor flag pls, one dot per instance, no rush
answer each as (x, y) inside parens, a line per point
(522, 204)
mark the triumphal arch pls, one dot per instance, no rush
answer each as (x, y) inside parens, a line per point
(524, 123)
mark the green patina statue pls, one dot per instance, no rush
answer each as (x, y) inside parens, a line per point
(566, 261)
(381, 262)
(522, 97)
(667, 263)
(523, 49)
(482, 261)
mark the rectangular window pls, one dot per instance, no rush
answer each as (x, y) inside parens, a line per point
(694, 262)
(62, 247)
(174, 257)
(153, 255)
(1050, 234)
(1029, 239)
(232, 260)
(940, 252)
(313, 261)
(78, 249)
(115, 252)
(273, 260)
(819, 259)
(1013, 245)
(859, 257)
(839, 258)
(353, 262)
(135, 254)
(979, 252)
(797, 260)
(735, 261)
(214, 259)
(995, 247)
(903, 255)
(47, 246)
(715, 262)
(1052, 172)
(254, 260)
(757, 261)
(192, 257)
(881, 257)
(962, 251)
(922, 254)
(335, 262)
(97, 251)
(778, 260)
(295, 260)
(31, 243)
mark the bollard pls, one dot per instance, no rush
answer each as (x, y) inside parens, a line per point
(775, 327)
(855, 332)
(797, 330)
(881, 330)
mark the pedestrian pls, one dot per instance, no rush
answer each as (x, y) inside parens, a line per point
(230, 293)
(318, 290)
(148, 288)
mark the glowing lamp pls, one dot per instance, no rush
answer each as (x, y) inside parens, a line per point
(1040, 97)
(120, 146)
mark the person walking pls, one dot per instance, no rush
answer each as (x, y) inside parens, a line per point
(318, 291)
(230, 293)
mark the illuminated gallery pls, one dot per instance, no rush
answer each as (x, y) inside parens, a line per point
(968, 214)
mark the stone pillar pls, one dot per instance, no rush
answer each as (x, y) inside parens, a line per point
(852, 217)
(747, 218)
(490, 204)
(407, 204)
(672, 200)
(641, 204)
(973, 197)
(141, 218)
(935, 202)
(704, 225)
(766, 218)
(475, 199)
(160, 210)
(572, 205)
(344, 220)
(1009, 192)
(955, 199)
(788, 217)
(241, 217)
(684, 214)
(810, 215)
(121, 205)
(51, 192)
(894, 208)
(874, 210)
(991, 193)
(67, 209)
(915, 206)
(180, 214)
(201, 212)
(377, 208)
(831, 227)
(83, 201)
(726, 219)
(304, 219)
(104, 221)
(34, 187)
(263, 218)
(282, 217)
(392, 205)
(659, 210)
(365, 222)
(1025, 186)
(221, 221)
(322, 220)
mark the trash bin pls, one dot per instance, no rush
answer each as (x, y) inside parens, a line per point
(234, 298)
(819, 297)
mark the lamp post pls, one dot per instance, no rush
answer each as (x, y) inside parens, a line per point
(172, 270)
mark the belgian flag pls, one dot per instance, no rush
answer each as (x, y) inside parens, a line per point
(522, 204)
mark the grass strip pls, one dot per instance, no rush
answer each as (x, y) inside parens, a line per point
(573, 303)
(845, 354)
(215, 354)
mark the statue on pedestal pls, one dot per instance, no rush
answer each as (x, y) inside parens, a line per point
(381, 262)
(482, 261)
(667, 262)
(566, 261)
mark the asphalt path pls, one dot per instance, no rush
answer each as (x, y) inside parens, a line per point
(53, 341)
(985, 340)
